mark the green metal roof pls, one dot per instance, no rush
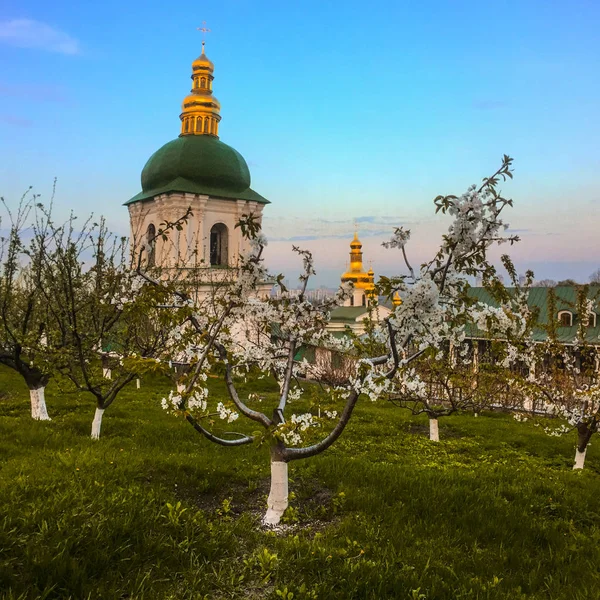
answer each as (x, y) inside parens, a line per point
(566, 299)
(197, 164)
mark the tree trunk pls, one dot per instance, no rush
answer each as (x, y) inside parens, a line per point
(39, 412)
(106, 373)
(434, 432)
(579, 458)
(277, 501)
(584, 433)
(137, 383)
(97, 423)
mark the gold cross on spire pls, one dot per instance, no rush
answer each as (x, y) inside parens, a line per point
(204, 31)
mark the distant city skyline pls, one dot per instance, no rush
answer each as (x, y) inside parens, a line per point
(342, 113)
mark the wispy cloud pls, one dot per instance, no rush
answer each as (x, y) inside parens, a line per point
(282, 229)
(15, 121)
(27, 33)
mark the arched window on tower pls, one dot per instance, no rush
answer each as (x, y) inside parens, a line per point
(206, 125)
(203, 82)
(186, 125)
(364, 300)
(199, 125)
(151, 245)
(219, 245)
(196, 83)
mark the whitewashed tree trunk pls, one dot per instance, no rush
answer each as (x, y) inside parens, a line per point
(277, 501)
(106, 373)
(97, 423)
(579, 459)
(137, 383)
(434, 432)
(39, 412)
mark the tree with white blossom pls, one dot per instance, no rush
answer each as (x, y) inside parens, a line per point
(441, 383)
(250, 334)
(23, 307)
(99, 307)
(564, 378)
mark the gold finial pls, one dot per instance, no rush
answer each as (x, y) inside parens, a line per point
(204, 31)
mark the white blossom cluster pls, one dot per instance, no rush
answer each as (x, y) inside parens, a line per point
(176, 401)
(399, 239)
(226, 414)
(173, 402)
(289, 433)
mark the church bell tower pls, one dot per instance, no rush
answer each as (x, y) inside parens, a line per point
(195, 171)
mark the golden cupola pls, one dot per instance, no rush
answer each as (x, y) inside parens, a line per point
(370, 287)
(356, 274)
(201, 110)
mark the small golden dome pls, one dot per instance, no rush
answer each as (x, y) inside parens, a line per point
(203, 62)
(355, 243)
(396, 300)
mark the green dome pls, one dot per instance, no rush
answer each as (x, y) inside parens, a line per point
(198, 158)
(199, 164)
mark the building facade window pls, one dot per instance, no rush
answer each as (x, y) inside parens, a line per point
(219, 241)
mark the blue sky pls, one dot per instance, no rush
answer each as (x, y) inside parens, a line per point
(343, 110)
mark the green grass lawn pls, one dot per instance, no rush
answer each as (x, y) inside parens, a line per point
(154, 511)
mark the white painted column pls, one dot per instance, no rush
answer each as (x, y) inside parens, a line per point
(201, 233)
(579, 459)
(97, 423)
(39, 412)
(277, 501)
(434, 432)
